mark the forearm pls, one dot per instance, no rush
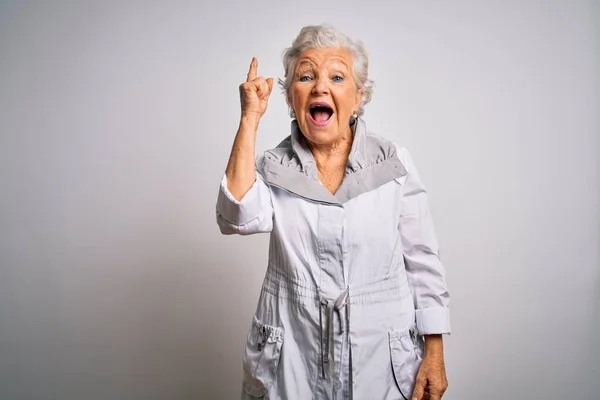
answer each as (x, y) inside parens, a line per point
(434, 345)
(431, 382)
(240, 168)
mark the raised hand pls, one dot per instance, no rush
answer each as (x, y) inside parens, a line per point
(255, 92)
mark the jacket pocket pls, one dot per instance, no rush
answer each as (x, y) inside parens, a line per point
(406, 351)
(261, 358)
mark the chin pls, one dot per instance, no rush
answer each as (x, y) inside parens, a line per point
(321, 135)
(320, 138)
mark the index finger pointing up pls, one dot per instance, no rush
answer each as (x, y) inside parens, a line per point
(252, 71)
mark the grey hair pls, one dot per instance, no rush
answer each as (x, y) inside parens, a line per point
(320, 36)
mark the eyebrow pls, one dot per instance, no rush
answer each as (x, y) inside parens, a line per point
(307, 63)
(302, 67)
(341, 61)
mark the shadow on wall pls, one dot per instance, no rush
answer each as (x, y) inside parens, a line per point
(229, 298)
(193, 314)
(153, 316)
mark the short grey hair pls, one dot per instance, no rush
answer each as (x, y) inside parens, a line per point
(320, 36)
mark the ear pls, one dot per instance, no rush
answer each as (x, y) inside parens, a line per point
(359, 97)
(289, 103)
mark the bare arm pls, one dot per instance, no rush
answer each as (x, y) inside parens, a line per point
(434, 344)
(254, 98)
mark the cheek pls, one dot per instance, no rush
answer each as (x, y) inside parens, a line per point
(297, 98)
(345, 103)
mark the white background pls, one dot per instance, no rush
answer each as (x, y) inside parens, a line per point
(116, 121)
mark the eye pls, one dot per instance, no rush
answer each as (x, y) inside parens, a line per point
(305, 78)
(337, 79)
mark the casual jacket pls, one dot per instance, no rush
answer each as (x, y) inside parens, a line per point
(353, 279)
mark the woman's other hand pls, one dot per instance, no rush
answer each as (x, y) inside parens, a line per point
(431, 379)
(254, 93)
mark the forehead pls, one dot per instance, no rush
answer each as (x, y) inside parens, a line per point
(326, 55)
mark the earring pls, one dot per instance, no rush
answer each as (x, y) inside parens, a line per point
(353, 119)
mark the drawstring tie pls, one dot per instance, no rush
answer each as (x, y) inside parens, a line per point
(327, 348)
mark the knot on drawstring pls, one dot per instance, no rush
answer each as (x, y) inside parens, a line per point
(327, 349)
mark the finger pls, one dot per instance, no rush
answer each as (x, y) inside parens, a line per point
(252, 70)
(262, 88)
(248, 87)
(263, 92)
(419, 390)
(267, 90)
(435, 393)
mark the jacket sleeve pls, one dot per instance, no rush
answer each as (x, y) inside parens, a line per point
(252, 214)
(426, 274)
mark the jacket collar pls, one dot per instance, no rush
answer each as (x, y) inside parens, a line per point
(356, 158)
(372, 162)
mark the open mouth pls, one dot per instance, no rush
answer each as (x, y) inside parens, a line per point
(320, 113)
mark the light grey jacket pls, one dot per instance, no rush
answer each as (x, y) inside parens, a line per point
(353, 279)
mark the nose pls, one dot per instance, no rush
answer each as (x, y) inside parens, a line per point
(320, 87)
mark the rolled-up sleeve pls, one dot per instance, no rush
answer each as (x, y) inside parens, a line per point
(252, 214)
(426, 274)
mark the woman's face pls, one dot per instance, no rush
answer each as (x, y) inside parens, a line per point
(323, 94)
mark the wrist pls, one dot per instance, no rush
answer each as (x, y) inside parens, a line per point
(434, 344)
(249, 121)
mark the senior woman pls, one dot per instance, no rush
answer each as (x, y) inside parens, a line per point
(354, 301)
